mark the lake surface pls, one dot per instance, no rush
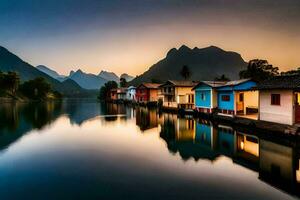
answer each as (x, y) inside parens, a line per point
(87, 150)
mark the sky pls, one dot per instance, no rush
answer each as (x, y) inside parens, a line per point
(128, 36)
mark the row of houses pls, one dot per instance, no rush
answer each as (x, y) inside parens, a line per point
(275, 100)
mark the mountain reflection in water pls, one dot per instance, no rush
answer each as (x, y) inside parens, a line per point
(271, 162)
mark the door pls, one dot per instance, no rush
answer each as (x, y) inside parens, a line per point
(297, 107)
(240, 103)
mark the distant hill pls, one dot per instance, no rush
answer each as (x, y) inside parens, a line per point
(110, 76)
(11, 62)
(87, 81)
(204, 64)
(51, 72)
(127, 77)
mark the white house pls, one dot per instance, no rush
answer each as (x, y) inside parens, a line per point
(130, 94)
(279, 100)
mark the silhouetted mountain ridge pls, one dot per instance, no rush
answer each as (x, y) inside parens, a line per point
(205, 64)
(11, 62)
(86, 80)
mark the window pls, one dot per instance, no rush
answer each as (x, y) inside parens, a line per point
(225, 98)
(275, 99)
(241, 97)
(202, 97)
(190, 98)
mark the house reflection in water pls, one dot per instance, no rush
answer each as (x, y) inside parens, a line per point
(275, 163)
(185, 129)
(115, 111)
(225, 140)
(146, 118)
(189, 138)
(246, 150)
(279, 166)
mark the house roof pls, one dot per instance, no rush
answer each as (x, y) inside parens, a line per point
(150, 85)
(239, 85)
(180, 83)
(281, 82)
(212, 84)
(236, 82)
(131, 87)
(121, 90)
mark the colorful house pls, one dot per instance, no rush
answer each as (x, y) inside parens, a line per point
(206, 95)
(147, 92)
(279, 100)
(178, 94)
(113, 94)
(238, 98)
(130, 94)
(121, 93)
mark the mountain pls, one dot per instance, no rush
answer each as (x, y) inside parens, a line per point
(204, 64)
(127, 77)
(87, 81)
(11, 62)
(110, 76)
(51, 72)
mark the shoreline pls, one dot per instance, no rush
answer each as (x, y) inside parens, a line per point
(249, 125)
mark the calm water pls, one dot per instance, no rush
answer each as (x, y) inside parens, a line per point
(85, 150)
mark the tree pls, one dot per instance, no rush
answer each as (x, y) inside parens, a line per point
(154, 80)
(104, 93)
(259, 70)
(37, 88)
(292, 72)
(9, 82)
(185, 72)
(123, 82)
(222, 78)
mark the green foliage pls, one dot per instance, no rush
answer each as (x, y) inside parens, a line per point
(37, 88)
(292, 72)
(57, 95)
(123, 82)
(185, 72)
(154, 80)
(9, 82)
(259, 70)
(222, 78)
(104, 90)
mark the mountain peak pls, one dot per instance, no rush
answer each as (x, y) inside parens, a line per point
(213, 48)
(127, 77)
(184, 48)
(71, 73)
(171, 52)
(79, 71)
(110, 76)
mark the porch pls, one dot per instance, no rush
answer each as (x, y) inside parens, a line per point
(246, 104)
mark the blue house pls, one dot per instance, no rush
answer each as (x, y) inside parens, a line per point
(226, 140)
(206, 95)
(238, 98)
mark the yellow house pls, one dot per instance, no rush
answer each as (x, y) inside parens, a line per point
(177, 94)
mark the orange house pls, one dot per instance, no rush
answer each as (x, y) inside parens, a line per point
(147, 92)
(113, 94)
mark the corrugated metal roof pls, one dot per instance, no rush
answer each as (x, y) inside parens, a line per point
(150, 85)
(281, 82)
(236, 82)
(212, 84)
(181, 83)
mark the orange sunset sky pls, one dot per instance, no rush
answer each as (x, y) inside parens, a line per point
(130, 36)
